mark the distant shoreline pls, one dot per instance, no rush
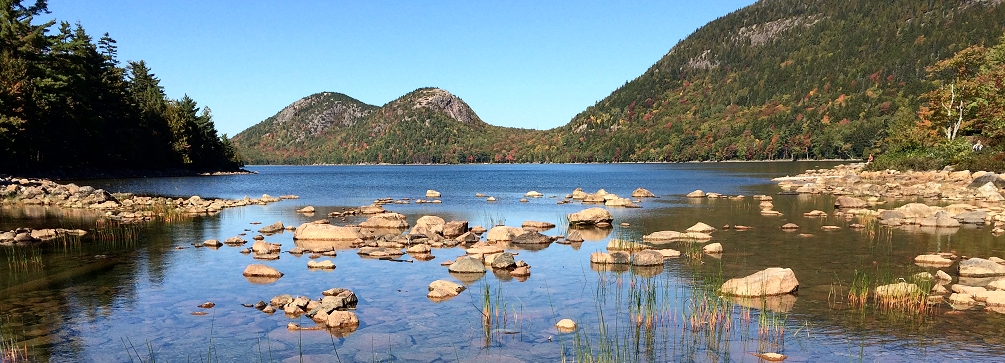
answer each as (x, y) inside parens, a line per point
(87, 174)
(597, 163)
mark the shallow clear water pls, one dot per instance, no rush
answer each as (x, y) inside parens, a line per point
(115, 302)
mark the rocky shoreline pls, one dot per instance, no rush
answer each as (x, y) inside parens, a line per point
(119, 207)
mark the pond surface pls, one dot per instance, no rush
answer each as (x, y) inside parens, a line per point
(132, 300)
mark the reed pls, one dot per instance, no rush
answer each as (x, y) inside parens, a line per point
(10, 351)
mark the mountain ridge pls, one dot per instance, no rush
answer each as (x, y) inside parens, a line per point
(779, 79)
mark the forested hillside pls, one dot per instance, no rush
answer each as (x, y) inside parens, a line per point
(67, 105)
(783, 79)
(779, 79)
(428, 125)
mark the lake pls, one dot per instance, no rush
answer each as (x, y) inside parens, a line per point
(131, 299)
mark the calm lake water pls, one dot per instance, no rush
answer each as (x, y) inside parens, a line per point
(95, 301)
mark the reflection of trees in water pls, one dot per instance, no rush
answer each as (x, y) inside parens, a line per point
(85, 280)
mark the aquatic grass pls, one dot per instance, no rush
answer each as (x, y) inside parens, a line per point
(496, 314)
(492, 220)
(10, 351)
(24, 259)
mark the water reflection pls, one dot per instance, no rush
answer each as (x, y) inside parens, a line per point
(148, 293)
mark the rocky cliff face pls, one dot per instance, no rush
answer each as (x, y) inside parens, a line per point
(311, 116)
(442, 101)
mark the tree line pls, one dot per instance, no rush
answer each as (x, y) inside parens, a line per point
(67, 104)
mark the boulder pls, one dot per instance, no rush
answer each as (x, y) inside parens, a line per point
(212, 243)
(386, 220)
(531, 237)
(979, 267)
(790, 226)
(990, 193)
(538, 225)
(272, 228)
(700, 228)
(323, 265)
(891, 214)
(433, 224)
(662, 236)
(259, 270)
(566, 325)
(696, 194)
(591, 216)
(533, 194)
(845, 202)
(647, 258)
(503, 260)
(712, 248)
(307, 209)
(933, 260)
(432, 194)
(371, 209)
(940, 219)
(467, 265)
(642, 193)
(503, 233)
(467, 237)
(974, 217)
(916, 210)
(767, 282)
(326, 232)
(455, 228)
(342, 319)
(443, 288)
(418, 249)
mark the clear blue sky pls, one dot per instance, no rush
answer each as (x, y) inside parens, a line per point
(531, 64)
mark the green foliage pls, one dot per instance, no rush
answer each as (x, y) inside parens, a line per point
(66, 104)
(776, 80)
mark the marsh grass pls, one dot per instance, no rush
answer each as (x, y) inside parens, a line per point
(24, 259)
(880, 292)
(492, 220)
(10, 351)
(116, 233)
(498, 317)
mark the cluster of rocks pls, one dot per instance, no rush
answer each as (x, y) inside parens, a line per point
(26, 236)
(852, 180)
(121, 206)
(981, 282)
(331, 311)
(607, 199)
(482, 255)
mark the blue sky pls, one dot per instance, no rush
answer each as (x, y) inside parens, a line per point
(530, 64)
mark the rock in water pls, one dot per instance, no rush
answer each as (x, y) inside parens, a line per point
(566, 325)
(850, 202)
(647, 258)
(768, 282)
(642, 193)
(591, 216)
(326, 232)
(259, 270)
(385, 220)
(467, 265)
(979, 267)
(272, 228)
